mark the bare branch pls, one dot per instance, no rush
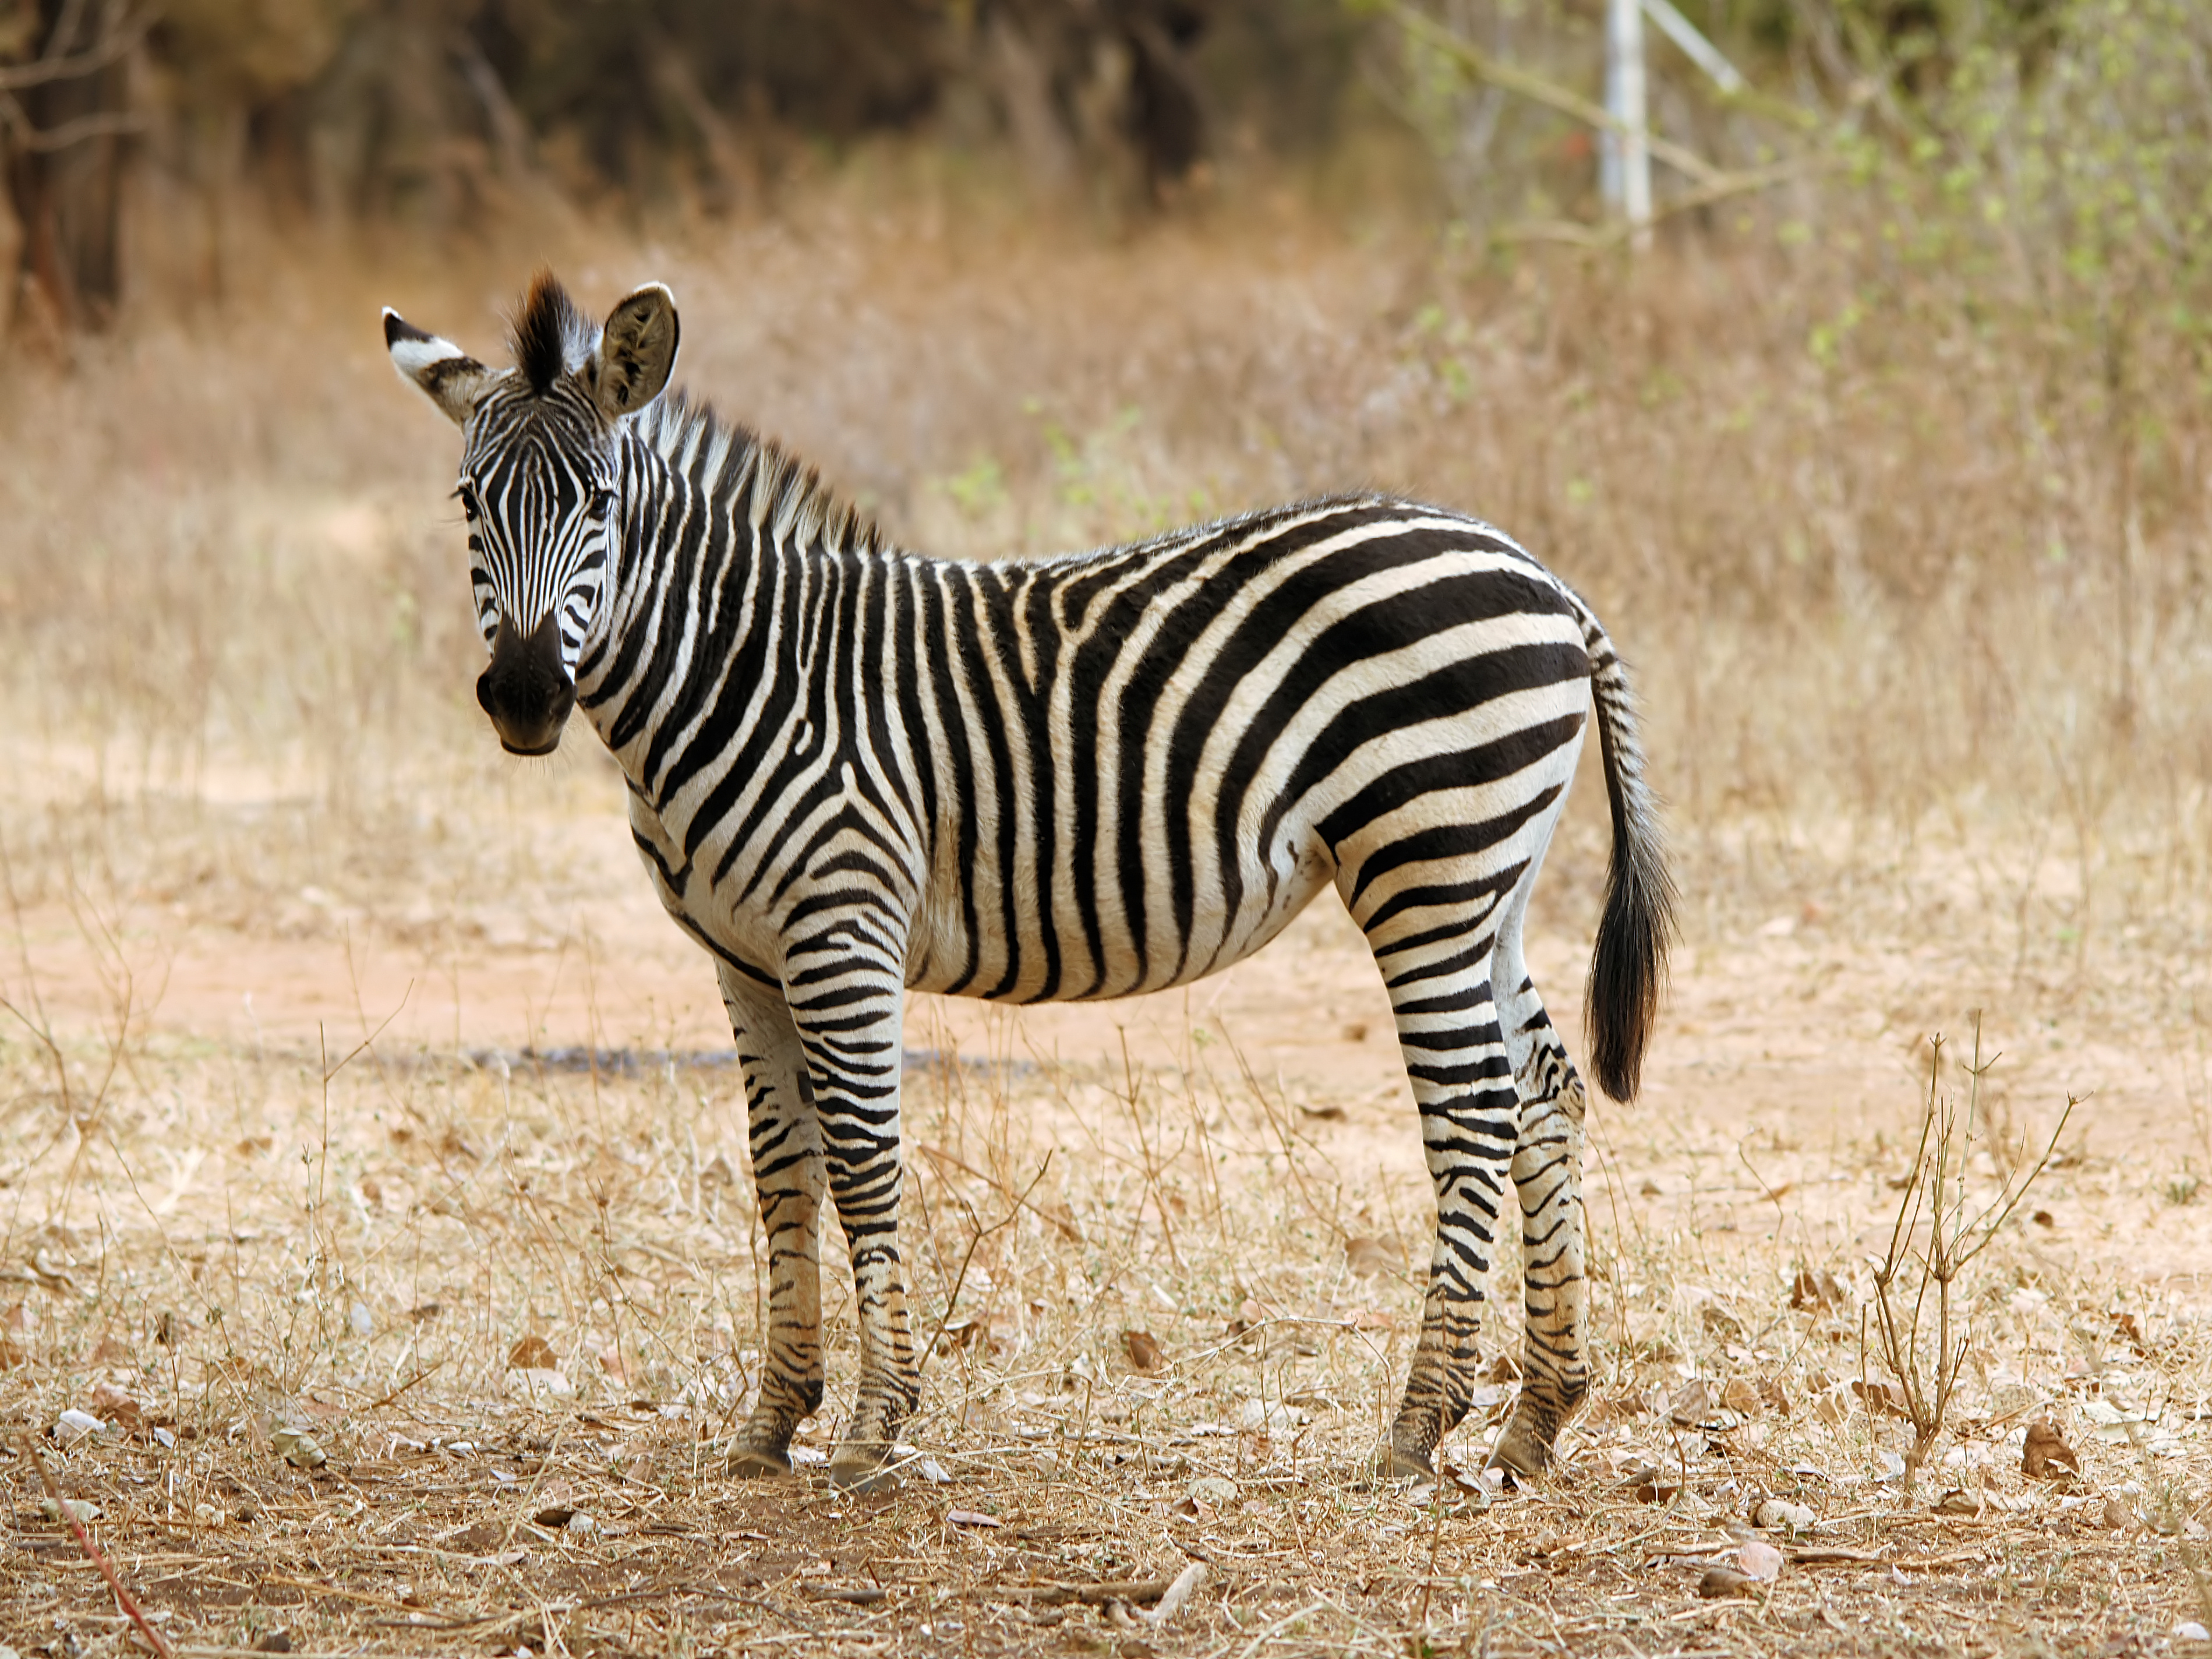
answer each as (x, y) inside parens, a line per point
(15, 78)
(1481, 65)
(106, 124)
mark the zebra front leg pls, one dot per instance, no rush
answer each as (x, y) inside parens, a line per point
(1455, 1057)
(788, 1176)
(848, 1014)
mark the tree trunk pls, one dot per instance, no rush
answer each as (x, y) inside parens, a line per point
(65, 142)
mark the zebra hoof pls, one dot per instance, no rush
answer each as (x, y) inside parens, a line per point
(860, 1469)
(1399, 1462)
(758, 1463)
(1520, 1452)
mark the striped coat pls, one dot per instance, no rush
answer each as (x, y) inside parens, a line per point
(853, 770)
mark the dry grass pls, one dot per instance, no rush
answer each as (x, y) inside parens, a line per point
(253, 814)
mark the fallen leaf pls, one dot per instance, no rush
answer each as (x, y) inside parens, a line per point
(1810, 1290)
(971, 1518)
(2125, 1324)
(1959, 1501)
(965, 1334)
(1771, 1391)
(298, 1447)
(1326, 1113)
(1369, 1256)
(1502, 1368)
(2044, 1218)
(1691, 1405)
(2046, 1456)
(1740, 1396)
(1723, 1581)
(1880, 1396)
(72, 1425)
(118, 1407)
(1144, 1349)
(1759, 1560)
(533, 1353)
(2119, 1515)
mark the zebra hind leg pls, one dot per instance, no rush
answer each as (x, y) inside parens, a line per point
(788, 1178)
(1456, 1058)
(1547, 1162)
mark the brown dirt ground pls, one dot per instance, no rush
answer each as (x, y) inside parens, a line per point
(242, 1248)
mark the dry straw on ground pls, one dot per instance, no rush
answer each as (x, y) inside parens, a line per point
(372, 1178)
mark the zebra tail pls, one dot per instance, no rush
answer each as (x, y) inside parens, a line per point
(1628, 965)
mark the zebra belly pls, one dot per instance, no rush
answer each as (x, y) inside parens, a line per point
(963, 945)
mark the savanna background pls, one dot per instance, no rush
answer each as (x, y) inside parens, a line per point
(378, 1264)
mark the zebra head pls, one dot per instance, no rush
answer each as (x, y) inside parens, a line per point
(540, 483)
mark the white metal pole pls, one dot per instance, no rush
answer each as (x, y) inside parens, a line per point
(1625, 176)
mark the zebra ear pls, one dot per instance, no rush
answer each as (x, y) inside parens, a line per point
(636, 351)
(445, 373)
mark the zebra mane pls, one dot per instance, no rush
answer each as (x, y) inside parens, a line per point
(552, 335)
(773, 485)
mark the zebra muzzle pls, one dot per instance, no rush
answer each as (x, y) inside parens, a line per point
(526, 691)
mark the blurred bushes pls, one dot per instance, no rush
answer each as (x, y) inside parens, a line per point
(434, 110)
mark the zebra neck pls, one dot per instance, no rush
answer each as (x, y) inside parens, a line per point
(731, 552)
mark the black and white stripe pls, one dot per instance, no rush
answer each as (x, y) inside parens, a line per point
(855, 771)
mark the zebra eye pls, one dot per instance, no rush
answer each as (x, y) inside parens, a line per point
(468, 494)
(602, 503)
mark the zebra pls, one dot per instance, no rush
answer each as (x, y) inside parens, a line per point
(855, 771)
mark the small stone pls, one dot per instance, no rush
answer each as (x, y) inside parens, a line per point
(1759, 1560)
(1213, 1491)
(1779, 1514)
(1723, 1581)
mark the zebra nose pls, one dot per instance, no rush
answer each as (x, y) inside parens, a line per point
(526, 691)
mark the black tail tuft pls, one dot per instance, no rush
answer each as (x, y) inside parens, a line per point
(1628, 966)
